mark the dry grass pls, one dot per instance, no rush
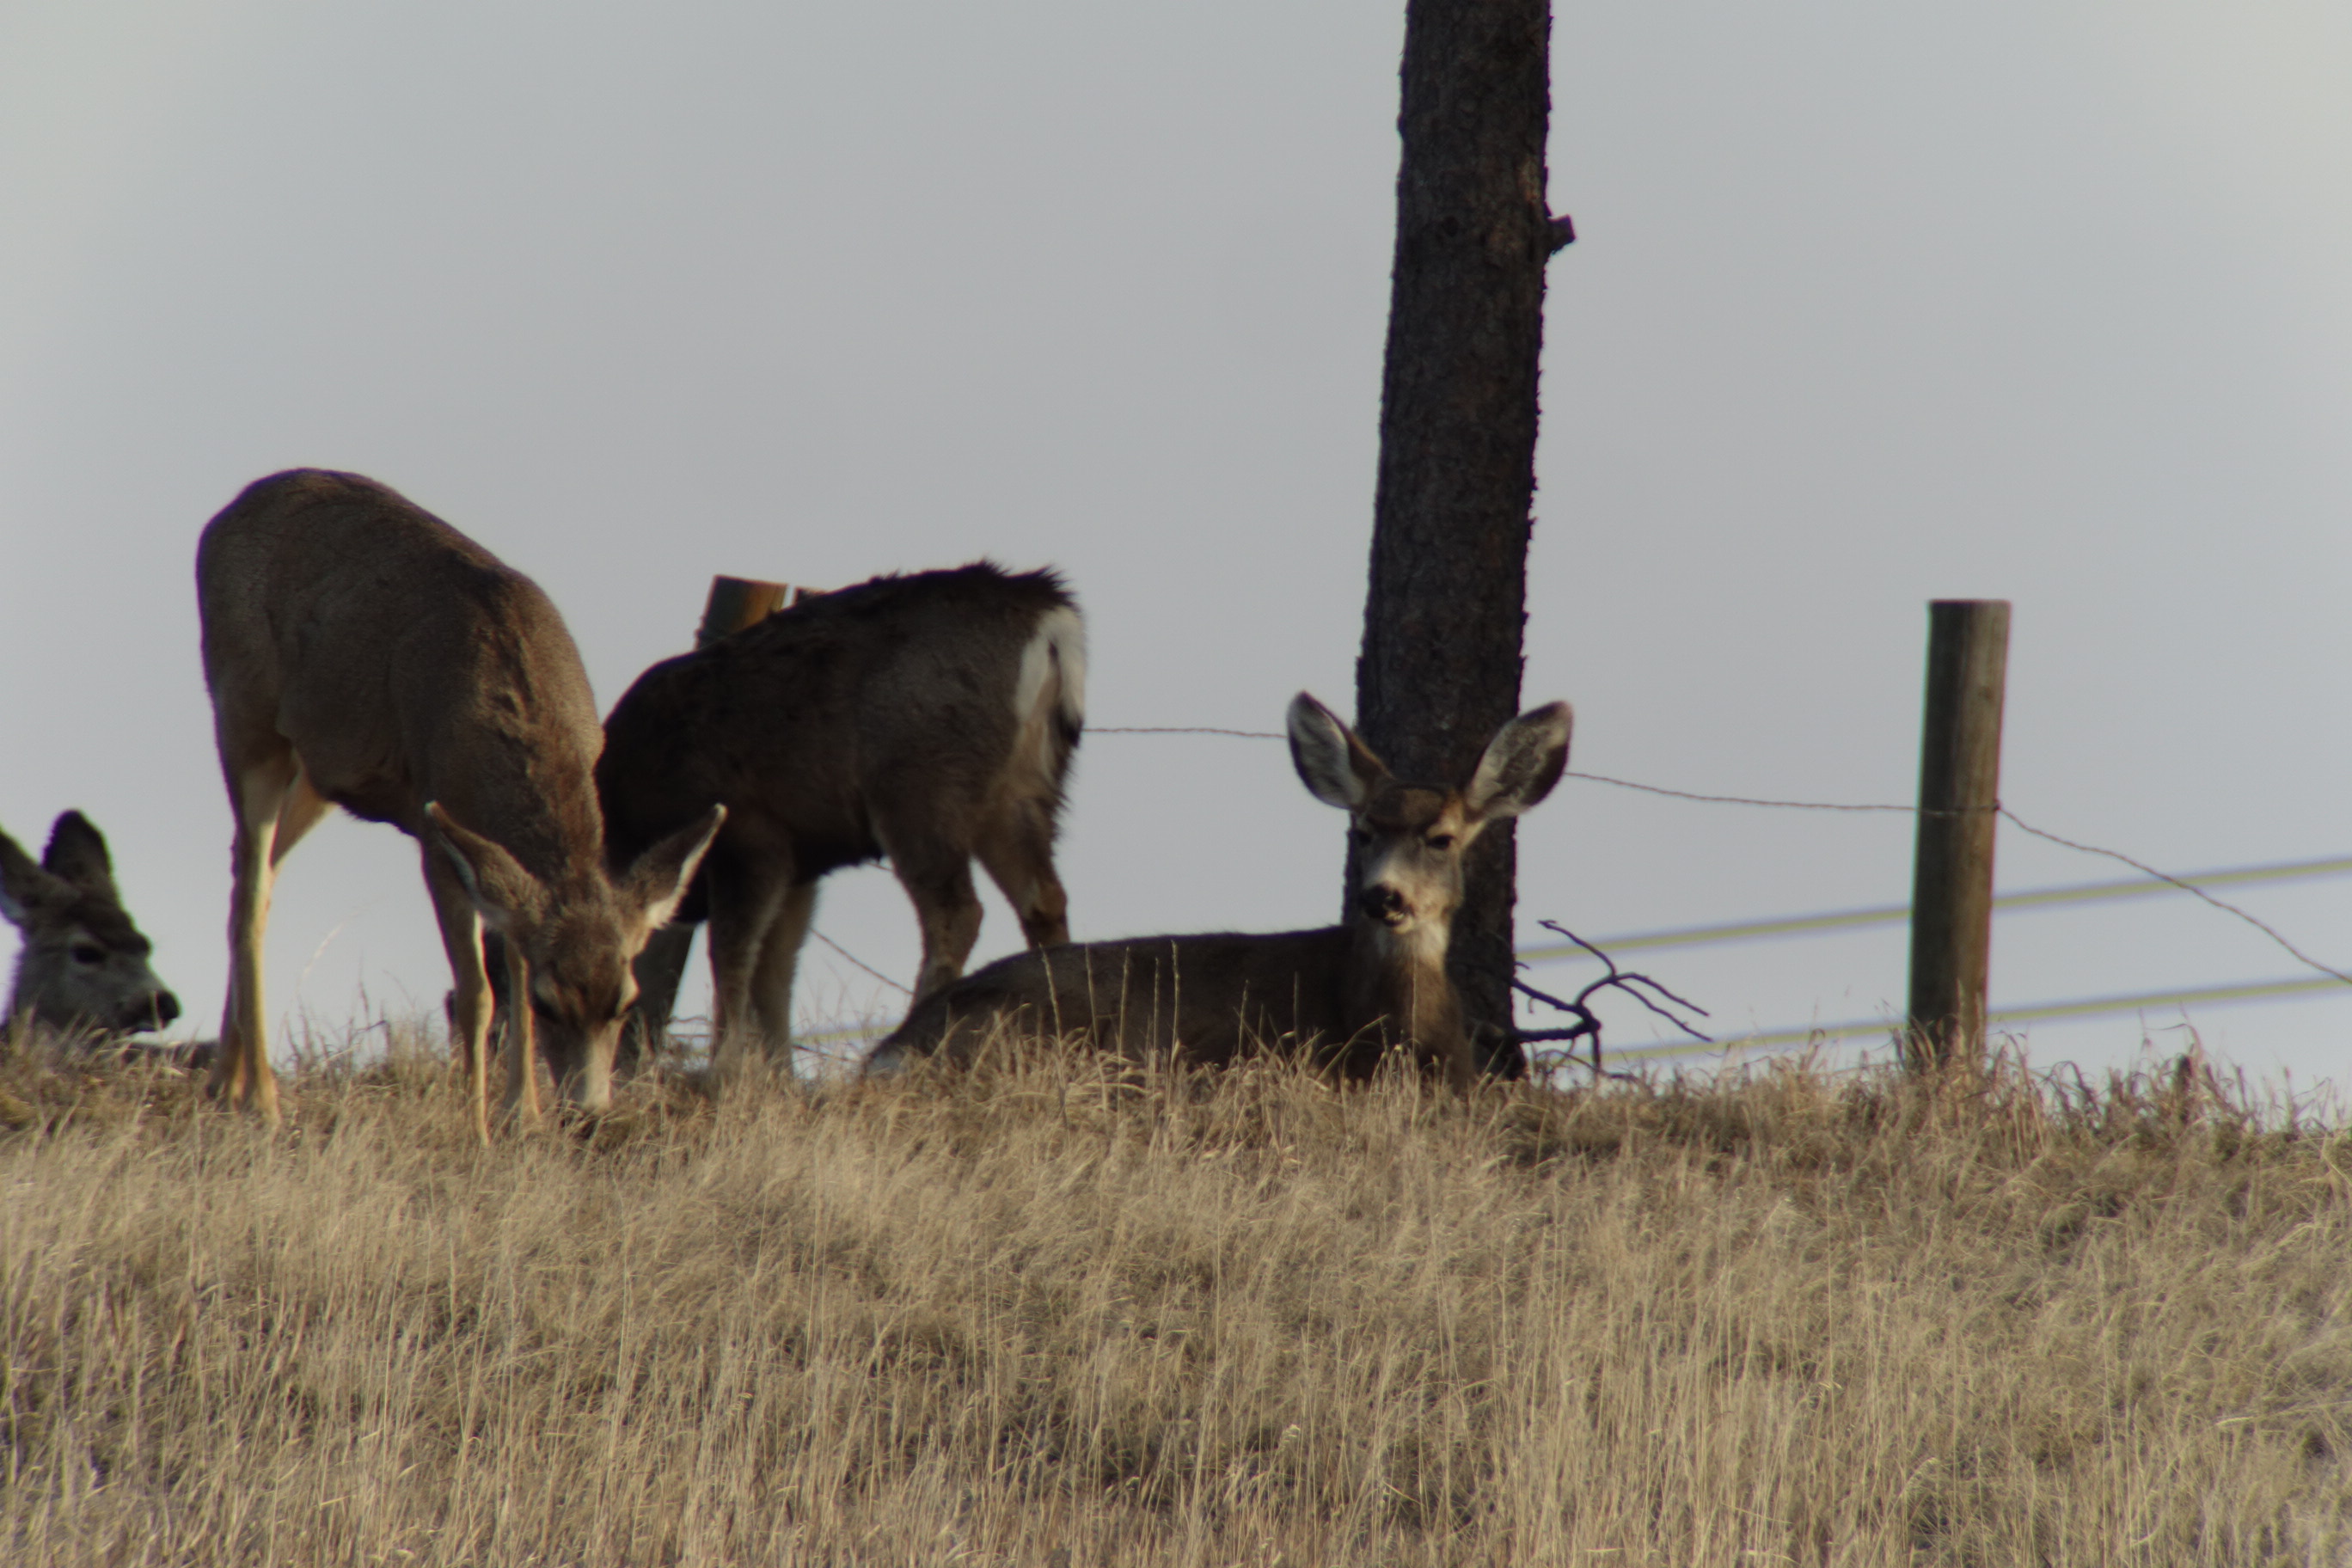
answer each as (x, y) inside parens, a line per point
(1040, 1314)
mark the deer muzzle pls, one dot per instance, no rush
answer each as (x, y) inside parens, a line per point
(1384, 904)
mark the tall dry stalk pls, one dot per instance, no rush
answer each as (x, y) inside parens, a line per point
(1047, 1313)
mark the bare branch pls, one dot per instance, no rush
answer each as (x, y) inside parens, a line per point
(1588, 1023)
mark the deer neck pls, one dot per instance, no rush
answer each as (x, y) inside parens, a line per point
(1399, 977)
(538, 804)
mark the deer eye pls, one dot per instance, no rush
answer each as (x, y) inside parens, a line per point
(88, 952)
(1440, 841)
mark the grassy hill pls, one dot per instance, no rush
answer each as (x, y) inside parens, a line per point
(1052, 1314)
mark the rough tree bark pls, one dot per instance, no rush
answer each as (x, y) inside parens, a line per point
(1440, 668)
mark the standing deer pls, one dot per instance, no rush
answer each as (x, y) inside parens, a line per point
(1350, 994)
(362, 653)
(929, 718)
(84, 965)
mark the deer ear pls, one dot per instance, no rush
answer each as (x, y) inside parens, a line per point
(1336, 768)
(23, 883)
(1521, 763)
(77, 854)
(506, 895)
(653, 887)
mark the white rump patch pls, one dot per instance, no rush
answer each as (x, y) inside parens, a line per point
(1058, 644)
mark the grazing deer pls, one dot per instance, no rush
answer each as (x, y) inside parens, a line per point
(362, 653)
(84, 965)
(1350, 994)
(931, 717)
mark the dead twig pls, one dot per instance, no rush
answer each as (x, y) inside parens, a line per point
(1588, 1023)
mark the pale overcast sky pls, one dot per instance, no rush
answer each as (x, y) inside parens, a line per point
(2047, 301)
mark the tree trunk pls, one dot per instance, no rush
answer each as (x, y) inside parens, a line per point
(1440, 668)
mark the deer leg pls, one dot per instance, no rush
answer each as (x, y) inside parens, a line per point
(744, 904)
(469, 1004)
(258, 790)
(1020, 859)
(523, 1037)
(302, 809)
(938, 878)
(780, 955)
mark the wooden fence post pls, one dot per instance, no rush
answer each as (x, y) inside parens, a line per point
(735, 602)
(1959, 796)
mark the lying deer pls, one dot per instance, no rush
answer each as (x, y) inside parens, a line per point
(929, 718)
(83, 969)
(362, 653)
(1350, 994)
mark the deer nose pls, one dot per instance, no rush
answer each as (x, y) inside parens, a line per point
(1383, 903)
(166, 1007)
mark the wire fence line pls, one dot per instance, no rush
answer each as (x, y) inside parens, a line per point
(905, 990)
(839, 1038)
(1572, 774)
(1891, 914)
(1781, 804)
(2260, 926)
(1806, 924)
(840, 1035)
(1998, 1018)
(2115, 855)
(2016, 821)
(1182, 730)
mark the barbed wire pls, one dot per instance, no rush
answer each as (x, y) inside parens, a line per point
(2116, 855)
(1783, 805)
(1592, 778)
(860, 962)
(2222, 904)
(1180, 729)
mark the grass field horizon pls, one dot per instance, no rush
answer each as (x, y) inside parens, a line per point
(1057, 1311)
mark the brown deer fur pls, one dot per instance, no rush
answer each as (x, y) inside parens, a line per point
(362, 653)
(931, 717)
(1351, 995)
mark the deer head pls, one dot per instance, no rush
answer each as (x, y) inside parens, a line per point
(84, 965)
(1408, 839)
(576, 942)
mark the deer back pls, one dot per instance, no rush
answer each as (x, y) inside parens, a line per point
(1209, 997)
(927, 692)
(403, 662)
